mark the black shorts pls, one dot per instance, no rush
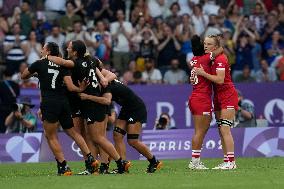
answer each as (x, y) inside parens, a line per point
(93, 112)
(132, 116)
(57, 109)
(75, 105)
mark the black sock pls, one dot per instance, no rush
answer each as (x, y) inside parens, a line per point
(118, 162)
(153, 160)
(89, 154)
(62, 164)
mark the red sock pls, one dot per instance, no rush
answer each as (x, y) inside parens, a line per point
(196, 153)
(231, 156)
(226, 158)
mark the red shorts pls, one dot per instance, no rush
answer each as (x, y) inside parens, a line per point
(226, 100)
(200, 104)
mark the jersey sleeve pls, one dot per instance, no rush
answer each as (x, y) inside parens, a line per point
(220, 63)
(65, 71)
(34, 67)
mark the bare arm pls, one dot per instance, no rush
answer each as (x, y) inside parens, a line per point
(176, 43)
(219, 78)
(26, 74)
(105, 99)
(73, 88)
(9, 119)
(61, 61)
(109, 76)
(163, 44)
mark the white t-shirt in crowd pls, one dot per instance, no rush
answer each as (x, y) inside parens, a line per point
(55, 5)
(122, 44)
(199, 25)
(154, 76)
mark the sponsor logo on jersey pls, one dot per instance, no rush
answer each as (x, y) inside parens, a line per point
(84, 64)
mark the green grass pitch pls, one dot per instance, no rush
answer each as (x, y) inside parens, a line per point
(252, 173)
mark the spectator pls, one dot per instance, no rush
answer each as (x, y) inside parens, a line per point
(245, 77)
(212, 28)
(103, 9)
(66, 21)
(4, 28)
(127, 76)
(147, 46)
(274, 46)
(151, 75)
(199, 19)
(258, 16)
(21, 119)
(121, 32)
(33, 48)
(137, 79)
(233, 12)
(175, 75)
(245, 116)
(9, 91)
(243, 49)
(79, 10)
(256, 52)
(78, 34)
(102, 42)
(168, 47)
(280, 10)
(140, 10)
(15, 18)
(57, 37)
(15, 46)
(163, 122)
(266, 73)
(158, 8)
(8, 6)
(271, 25)
(210, 7)
(16, 77)
(185, 31)
(185, 7)
(26, 18)
(174, 19)
(229, 46)
(54, 9)
(158, 28)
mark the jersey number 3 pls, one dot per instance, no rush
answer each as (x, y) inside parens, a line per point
(55, 74)
(94, 81)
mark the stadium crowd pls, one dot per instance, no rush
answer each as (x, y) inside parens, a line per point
(147, 41)
(142, 41)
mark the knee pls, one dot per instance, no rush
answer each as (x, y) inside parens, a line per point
(118, 134)
(132, 142)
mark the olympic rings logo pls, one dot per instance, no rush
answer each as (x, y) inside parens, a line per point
(76, 149)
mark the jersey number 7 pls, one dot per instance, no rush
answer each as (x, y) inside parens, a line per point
(55, 74)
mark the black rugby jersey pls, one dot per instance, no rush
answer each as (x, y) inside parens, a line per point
(50, 76)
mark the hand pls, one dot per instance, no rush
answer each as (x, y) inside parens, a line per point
(83, 85)
(18, 115)
(104, 82)
(83, 96)
(39, 114)
(200, 71)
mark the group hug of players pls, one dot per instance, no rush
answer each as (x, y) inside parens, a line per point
(76, 94)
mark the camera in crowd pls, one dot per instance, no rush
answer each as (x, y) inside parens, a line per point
(163, 122)
(17, 107)
(26, 101)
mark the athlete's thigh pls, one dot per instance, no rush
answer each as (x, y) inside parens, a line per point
(134, 128)
(121, 124)
(228, 114)
(201, 122)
